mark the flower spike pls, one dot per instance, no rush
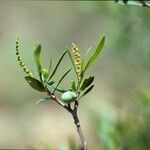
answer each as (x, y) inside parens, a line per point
(77, 60)
(19, 60)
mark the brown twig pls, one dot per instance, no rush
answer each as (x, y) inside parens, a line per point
(74, 115)
(78, 126)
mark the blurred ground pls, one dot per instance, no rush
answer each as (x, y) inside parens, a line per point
(113, 114)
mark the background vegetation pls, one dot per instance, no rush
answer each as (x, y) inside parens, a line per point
(116, 115)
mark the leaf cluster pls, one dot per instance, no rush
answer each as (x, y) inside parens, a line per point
(45, 80)
(85, 83)
(46, 75)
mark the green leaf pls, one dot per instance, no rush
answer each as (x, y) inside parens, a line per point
(61, 79)
(37, 58)
(59, 88)
(86, 83)
(84, 58)
(42, 100)
(95, 54)
(88, 90)
(53, 85)
(54, 71)
(50, 63)
(50, 82)
(35, 84)
(73, 85)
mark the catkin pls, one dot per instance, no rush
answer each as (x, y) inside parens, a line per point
(19, 60)
(77, 60)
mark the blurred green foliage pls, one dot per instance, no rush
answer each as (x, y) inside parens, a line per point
(130, 132)
(118, 111)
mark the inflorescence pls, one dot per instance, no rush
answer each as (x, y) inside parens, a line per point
(77, 60)
(19, 59)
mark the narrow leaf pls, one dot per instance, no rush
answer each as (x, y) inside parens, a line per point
(88, 90)
(54, 71)
(59, 88)
(37, 58)
(53, 85)
(95, 54)
(73, 85)
(50, 82)
(62, 79)
(42, 100)
(84, 58)
(50, 63)
(35, 84)
(86, 83)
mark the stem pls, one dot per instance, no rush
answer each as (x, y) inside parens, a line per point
(74, 115)
(79, 130)
(53, 97)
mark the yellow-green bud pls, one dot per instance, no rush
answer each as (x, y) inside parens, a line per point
(45, 73)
